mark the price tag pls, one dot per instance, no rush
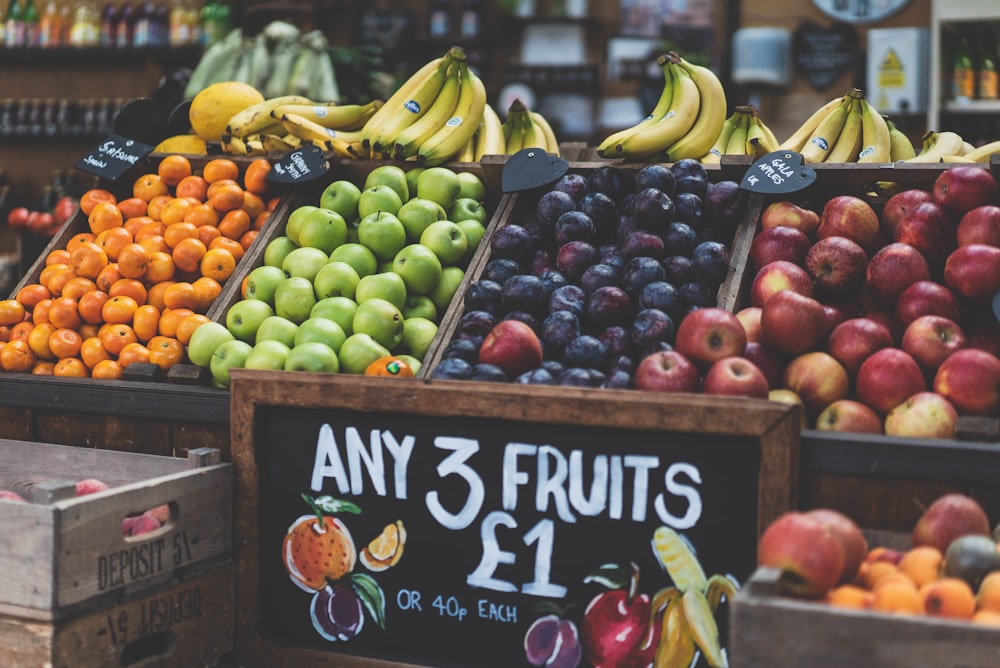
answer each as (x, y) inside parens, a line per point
(299, 166)
(778, 172)
(113, 157)
(531, 168)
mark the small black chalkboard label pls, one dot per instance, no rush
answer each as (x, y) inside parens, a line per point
(299, 166)
(778, 172)
(823, 53)
(113, 157)
(531, 168)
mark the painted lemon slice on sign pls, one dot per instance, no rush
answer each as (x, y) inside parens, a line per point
(386, 549)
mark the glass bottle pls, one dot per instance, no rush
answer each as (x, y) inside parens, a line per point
(31, 20)
(125, 28)
(161, 25)
(65, 13)
(14, 25)
(143, 32)
(206, 23)
(49, 29)
(963, 81)
(987, 79)
(109, 24)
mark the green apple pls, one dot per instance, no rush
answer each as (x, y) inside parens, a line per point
(416, 214)
(339, 309)
(439, 184)
(474, 232)
(294, 298)
(268, 354)
(418, 333)
(277, 249)
(447, 240)
(466, 208)
(261, 282)
(244, 317)
(447, 287)
(205, 340)
(387, 285)
(419, 267)
(336, 279)
(314, 357)
(376, 199)
(304, 262)
(383, 234)
(358, 352)
(411, 361)
(295, 219)
(277, 328)
(385, 266)
(324, 229)
(322, 330)
(389, 175)
(358, 256)
(419, 306)
(341, 196)
(352, 231)
(412, 175)
(381, 320)
(229, 355)
(471, 186)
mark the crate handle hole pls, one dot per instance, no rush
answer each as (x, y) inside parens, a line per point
(143, 524)
(158, 645)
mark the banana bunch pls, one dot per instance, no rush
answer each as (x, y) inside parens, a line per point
(743, 133)
(433, 117)
(286, 122)
(524, 128)
(685, 123)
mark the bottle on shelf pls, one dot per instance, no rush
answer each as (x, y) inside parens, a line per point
(161, 25)
(471, 24)
(31, 20)
(142, 36)
(125, 28)
(49, 26)
(109, 24)
(987, 78)
(440, 19)
(963, 76)
(65, 13)
(14, 25)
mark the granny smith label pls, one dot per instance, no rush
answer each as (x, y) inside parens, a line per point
(778, 172)
(299, 166)
(113, 157)
(531, 168)
(472, 533)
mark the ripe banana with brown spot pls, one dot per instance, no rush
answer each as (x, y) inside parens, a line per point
(806, 130)
(257, 117)
(677, 122)
(336, 141)
(607, 148)
(409, 140)
(406, 104)
(333, 116)
(676, 648)
(711, 114)
(876, 143)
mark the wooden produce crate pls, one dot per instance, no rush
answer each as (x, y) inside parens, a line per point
(767, 629)
(62, 555)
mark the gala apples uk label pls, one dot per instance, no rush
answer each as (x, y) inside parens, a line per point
(485, 542)
(299, 166)
(113, 157)
(778, 172)
(531, 168)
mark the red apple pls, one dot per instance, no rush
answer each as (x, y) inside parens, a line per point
(783, 395)
(892, 269)
(17, 218)
(513, 346)
(749, 317)
(925, 298)
(667, 371)
(930, 229)
(973, 271)
(901, 204)
(791, 323)
(962, 188)
(924, 415)
(931, 339)
(970, 380)
(950, 516)
(818, 378)
(779, 243)
(139, 524)
(849, 415)
(789, 214)
(707, 335)
(983, 332)
(979, 226)
(735, 376)
(767, 361)
(617, 626)
(837, 266)
(90, 486)
(886, 319)
(776, 276)
(851, 537)
(853, 341)
(806, 550)
(7, 495)
(64, 209)
(887, 378)
(851, 217)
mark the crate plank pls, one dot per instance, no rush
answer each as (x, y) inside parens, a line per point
(15, 423)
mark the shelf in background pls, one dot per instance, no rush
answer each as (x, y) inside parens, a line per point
(70, 56)
(973, 107)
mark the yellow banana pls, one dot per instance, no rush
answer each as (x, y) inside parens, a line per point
(410, 139)
(714, 155)
(489, 138)
(937, 145)
(701, 622)
(876, 145)
(337, 141)
(956, 158)
(514, 131)
(294, 140)
(805, 131)
(772, 141)
(233, 145)
(758, 142)
(401, 109)
(335, 116)
(676, 647)
(551, 143)
(460, 128)
(533, 135)
(967, 147)
(257, 117)
(677, 122)
(900, 147)
(711, 114)
(255, 147)
(467, 153)
(821, 142)
(275, 144)
(983, 153)
(849, 142)
(737, 144)
(607, 147)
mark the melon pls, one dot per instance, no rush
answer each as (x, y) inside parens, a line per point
(187, 143)
(212, 107)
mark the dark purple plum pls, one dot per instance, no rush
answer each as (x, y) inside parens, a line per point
(490, 373)
(679, 269)
(541, 260)
(624, 362)
(500, 269)
(462, 349)
(710, 260)
(606, 179)
(689, 209)
(574, 185)
(476, 323)
(337, 612)
(680, 239)
(573, 258)
(616, 340)
(725, 204)
(553, 366)
(698, 295)
(652, 209)
(558, 329)
(603, 211)
(513, 242)
(609, 306)
(574, 226)
(454, 368)
(529, 319)
(644, 243)
(638, 272)
(663, 296)
(655, 176)
(539, 376)
(611, 255)
(579, 377)
(626, 226)
(552, 279)
(524, 292)
(690, 176)
(618, 379)
(586, 351)
(484, 295)
(551, 205)
(570, 298)
(651, 326)
(598, 275)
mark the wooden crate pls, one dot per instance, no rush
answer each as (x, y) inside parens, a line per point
(767, 629)
(184, 623)
(62, 554)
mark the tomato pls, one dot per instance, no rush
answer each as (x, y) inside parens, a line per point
(64, 209)
(18, 217)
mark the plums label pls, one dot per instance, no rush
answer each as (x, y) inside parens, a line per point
(531, 168)
(299, 166)
(113, 157)
(778, 172)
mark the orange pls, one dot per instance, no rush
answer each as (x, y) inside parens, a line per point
(117, 336)
(133, 207)
(104, 216)
(177, 209)
(170, 319)
(234, 223)
(877, 570)
(149, 186)
(112, 240)
(230, 245)
(187, 325)
(192, 186)
(178, 232)
(206, 290)
(209, 233)
(899, 596)
(922, 564)
(253, 205)
(188, 253)
(43, 368)
(11, 312)
(59, 276)
(71, 367)
(92, 197)
(220, 168)
(88, 259)
(173, 169)
(146, 322)
(132, 353)
(57, 256)
(226, 197)
(108, 276)
(65, 342)
(92, 351)
(132, 261)
(850, 596)
(986, 617)
(154, 295)
(218, 263)
(159, 267)
(40, 313)
(273, 203)
(90, 305)
(129, 287)
(165, 351)
(107, 370)
(147, 227)
(20, 331)
(31, 294)
(154, 243)
(77, 287)
(156, 206)
(949, 597)
(247, 238)
(181, 295)
(261, 219)
(119, 310)
(38, 341)
(201, 215)
(64, 312)
(255, 176)
(88, 329)
(79, 238)
(988, 595)
(16, 356)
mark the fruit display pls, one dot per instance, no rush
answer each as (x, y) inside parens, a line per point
(879, 321)
(587, 279)
(358, 282)
(522, 128)
(136, 275)
(743, 133)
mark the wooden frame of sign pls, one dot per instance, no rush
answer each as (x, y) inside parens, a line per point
(511, 499)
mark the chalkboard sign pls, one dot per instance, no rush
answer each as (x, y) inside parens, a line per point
(299, 166)
(113, 157)
(778, 172)
(469, 524)
(822, 54)
(531, 168)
